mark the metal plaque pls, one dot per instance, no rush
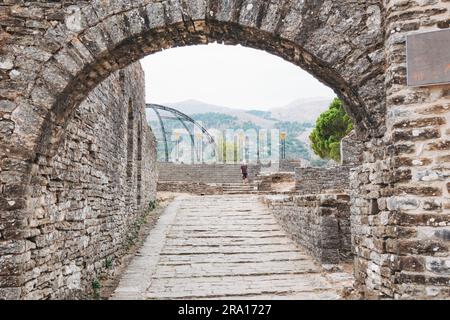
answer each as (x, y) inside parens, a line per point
(428, 58)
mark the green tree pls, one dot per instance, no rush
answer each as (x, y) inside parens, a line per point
(331, 126)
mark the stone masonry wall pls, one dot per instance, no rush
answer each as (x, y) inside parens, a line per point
(310, 180)
(352, 150)
(319, 223)
(401, 199)
(90, 195)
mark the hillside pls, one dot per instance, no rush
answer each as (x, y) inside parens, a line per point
(191, 107)
(304, 110)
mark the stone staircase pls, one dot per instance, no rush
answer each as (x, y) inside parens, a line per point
(215, 173)
(223, 176)
(239, 188)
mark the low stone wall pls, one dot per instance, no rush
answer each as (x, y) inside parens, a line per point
(319, 223)
(291, 165)
(198, 188)
(319, 180)
(266, 181)
(89, 196)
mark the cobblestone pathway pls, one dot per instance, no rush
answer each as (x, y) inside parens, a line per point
(224, 247)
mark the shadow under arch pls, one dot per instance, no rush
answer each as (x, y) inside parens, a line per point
(133, 48)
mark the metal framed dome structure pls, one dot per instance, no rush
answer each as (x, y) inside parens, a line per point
(169, 125)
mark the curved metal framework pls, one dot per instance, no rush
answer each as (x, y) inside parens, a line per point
(183, 118)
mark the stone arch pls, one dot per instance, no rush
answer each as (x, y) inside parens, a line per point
(97, 39)
(342, 46)
(340, 42)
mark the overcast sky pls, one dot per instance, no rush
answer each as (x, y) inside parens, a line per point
(231, 76)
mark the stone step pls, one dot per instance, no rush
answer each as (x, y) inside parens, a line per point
(243, 190)
(237, 189)
(203, 173)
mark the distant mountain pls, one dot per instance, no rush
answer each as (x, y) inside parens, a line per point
(192, 107)
(302, 110)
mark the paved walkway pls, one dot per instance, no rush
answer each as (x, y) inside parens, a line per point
(223, 247)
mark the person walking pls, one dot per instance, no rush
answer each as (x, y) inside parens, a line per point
(244, 170)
